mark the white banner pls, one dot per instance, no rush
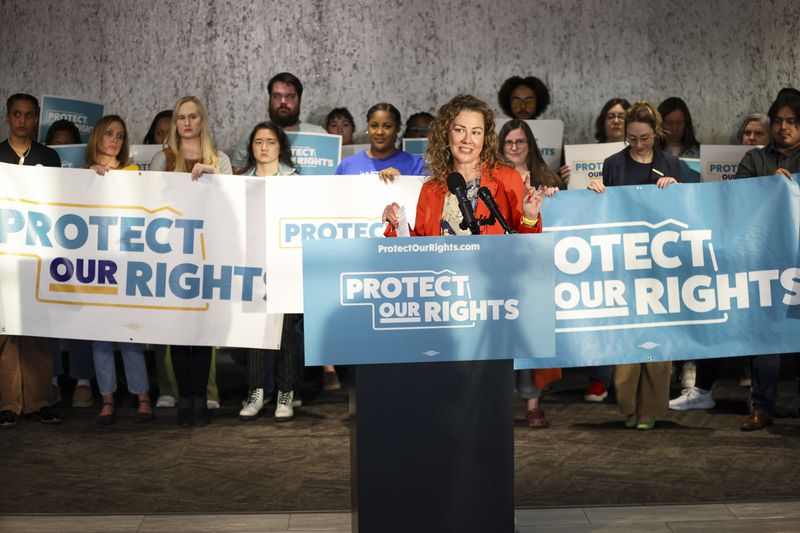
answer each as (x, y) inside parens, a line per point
(549, 135)
(586, 162)
(138, 256)
(300, 208)
(719, 162)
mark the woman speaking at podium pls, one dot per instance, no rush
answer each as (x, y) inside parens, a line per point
(462, 140)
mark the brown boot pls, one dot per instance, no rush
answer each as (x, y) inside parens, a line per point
(758, 419)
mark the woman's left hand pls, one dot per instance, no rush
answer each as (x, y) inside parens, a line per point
(532, 203)
(199, 169)
(663, 182)
(550, 191)
(100, 169)
(387, 175)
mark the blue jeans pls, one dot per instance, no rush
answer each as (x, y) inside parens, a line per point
(81, 365)
(132, 359)
(764, 390)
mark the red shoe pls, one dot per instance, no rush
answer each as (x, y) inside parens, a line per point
(596, 392)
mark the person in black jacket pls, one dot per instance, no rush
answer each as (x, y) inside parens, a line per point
(642, 388)
(641, 162)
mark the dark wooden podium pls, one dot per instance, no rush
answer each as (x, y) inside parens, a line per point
(432, 447)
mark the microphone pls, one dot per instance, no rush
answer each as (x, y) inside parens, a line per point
(457, 186)
(488, 199)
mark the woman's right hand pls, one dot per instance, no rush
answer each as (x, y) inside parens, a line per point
(596, 186)
(390, 214)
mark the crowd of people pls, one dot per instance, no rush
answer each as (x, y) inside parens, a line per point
(461, 138)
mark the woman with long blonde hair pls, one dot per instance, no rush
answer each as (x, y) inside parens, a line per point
(189, 145)
(190, 149)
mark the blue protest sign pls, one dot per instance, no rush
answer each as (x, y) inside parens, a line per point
(428, 299)
(415, 146)
(690, 271)
(82, 113)
(72, 155)
(315, 153)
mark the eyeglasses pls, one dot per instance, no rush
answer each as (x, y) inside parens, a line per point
(418, 129)
(519, 143)
(790, 121)
(615, 116)
(528, 101)
(644, 139)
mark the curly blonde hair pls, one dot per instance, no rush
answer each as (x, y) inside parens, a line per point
(645, 111)
(438, 159)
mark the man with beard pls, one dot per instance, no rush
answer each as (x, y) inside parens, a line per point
(26, 366)
(781, 156)
(285, 93)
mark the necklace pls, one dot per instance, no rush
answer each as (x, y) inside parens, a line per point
(22, 157)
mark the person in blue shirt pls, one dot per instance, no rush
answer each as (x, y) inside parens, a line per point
(382, 158)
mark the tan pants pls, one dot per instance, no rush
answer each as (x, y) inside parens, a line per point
(26, 370)
(642, 388)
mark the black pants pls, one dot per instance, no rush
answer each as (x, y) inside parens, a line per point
(290, 356)
(191, 365)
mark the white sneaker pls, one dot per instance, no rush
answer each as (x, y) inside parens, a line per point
(284, 410)
(212, 404)
(166, 401)
(254, 406)
(692, 398)
(689, 375)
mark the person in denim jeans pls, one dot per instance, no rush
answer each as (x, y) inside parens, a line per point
(135, 374)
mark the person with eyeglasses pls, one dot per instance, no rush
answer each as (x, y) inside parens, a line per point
(782, 157)
(609, 127)
(523, 98)
(26, 365)
(679, 137)
(642, 388)
(519, 147)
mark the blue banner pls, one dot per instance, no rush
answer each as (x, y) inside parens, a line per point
(72, 155)
(690, 271)
(80, 112)
(428, 299)
(415, 146)
(315, 153)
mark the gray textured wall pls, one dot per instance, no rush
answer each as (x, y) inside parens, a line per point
(725, 58)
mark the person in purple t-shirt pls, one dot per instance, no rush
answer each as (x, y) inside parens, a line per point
(382, 158)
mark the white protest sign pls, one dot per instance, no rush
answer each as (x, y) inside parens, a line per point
(586, 161)
(300, 208)
(142, 154)
(353, 149)
(719, 162)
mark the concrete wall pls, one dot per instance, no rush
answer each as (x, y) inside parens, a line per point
(725, 58)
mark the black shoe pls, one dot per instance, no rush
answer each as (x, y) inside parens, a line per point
(7, 419)
(142, 416)
(106, 420)
(46, 415)
(202, 415)
(185, 413)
